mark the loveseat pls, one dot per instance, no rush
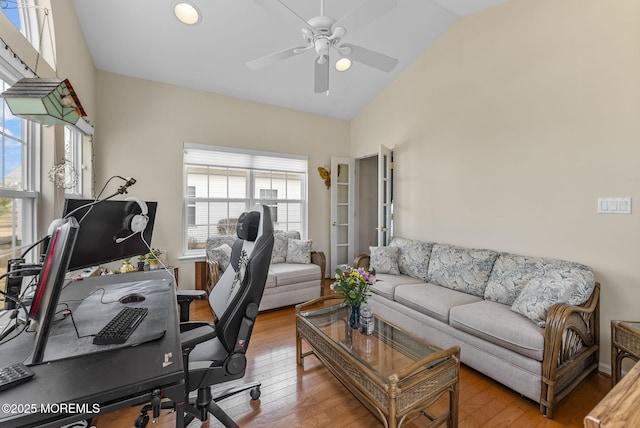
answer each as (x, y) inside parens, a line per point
(531, 323)
(295, 274)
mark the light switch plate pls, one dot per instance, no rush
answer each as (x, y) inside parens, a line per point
(614, 205)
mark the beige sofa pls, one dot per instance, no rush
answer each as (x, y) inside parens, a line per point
(530, 323)
(295, 274)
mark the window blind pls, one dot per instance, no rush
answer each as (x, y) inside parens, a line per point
(228, 157)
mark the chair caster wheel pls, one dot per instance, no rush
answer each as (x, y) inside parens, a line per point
(142, 421)
(255, 393)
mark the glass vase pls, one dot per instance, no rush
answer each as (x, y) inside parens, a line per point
(354, 316)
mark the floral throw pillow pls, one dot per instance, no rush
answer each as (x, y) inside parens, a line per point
(461, 269)
(413, 256)
(384, 260)
(280, 243)
(299, 251)
(222, 255)
(540, 294)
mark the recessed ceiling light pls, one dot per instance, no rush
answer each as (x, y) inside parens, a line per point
(343, 64)
(187, 13)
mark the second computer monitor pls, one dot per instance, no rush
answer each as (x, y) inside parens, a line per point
(103, 226)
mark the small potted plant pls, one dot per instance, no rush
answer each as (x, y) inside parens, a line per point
(142, 260)
(152, 258)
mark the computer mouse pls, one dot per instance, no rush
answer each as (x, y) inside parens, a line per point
(132, 298)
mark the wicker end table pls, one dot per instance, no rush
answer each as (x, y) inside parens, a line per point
(625, 343)
(396, 375)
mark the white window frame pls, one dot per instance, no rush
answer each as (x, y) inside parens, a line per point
(27, 11)
(11, 70)
(260, 165)
(73, 156)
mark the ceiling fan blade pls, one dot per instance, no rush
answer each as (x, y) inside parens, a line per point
(270, 59)
(270, 5)
(370, 58)
(365, 13)
(321, 76)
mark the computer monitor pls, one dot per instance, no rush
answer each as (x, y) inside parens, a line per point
(50, 284)
(103, 228)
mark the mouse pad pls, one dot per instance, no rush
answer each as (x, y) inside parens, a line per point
(97, 309)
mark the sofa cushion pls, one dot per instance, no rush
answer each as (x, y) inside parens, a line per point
(215, 241)
(292, 273)
(222, 255)
(462, 269)
(271, 280)
(573, 287)
(384, 259)
(496, 323)
(432, 300)
(299, 251)
(387, 283)
(512, 272)
(413, 257)
(280, 244)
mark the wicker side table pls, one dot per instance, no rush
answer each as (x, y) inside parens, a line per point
(625, 343)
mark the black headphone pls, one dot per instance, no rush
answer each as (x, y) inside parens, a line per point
(136, 223)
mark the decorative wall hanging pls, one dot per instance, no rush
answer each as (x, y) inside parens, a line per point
(325, 175)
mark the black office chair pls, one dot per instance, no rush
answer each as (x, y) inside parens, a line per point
(214, 353)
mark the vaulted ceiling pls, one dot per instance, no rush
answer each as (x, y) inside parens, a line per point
(143, 39)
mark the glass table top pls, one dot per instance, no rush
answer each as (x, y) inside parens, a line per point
(632, 325)
(387, 351)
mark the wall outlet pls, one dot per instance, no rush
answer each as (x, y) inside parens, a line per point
(614, 205)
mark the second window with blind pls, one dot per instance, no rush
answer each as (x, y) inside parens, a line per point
(221, 183)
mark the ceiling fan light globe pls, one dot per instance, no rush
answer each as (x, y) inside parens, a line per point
(187, 13)
(343, 64)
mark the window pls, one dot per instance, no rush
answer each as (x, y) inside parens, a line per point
(221, 183)
(28, 18)
(73, 157)
(19, 151)
(191, 207)
(18, 146)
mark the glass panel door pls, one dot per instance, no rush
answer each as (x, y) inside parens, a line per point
(342, 212)
(384, 196)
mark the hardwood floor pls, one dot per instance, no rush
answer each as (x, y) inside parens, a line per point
(311, 396)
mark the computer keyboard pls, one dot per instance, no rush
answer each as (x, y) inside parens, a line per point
(121, 326)
(14, 375)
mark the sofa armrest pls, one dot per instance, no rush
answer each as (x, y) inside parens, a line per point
(362, 260)
(213, 273)
(318, 258)
(571, 348)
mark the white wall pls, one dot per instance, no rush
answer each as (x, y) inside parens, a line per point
(143, 126)
(509, 128)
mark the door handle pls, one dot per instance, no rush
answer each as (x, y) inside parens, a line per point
(382, 229)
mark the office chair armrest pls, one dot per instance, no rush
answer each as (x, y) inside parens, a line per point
(185, 297)
(201, 333)
(190, 325)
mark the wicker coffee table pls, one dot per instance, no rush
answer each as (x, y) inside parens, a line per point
(396, 375)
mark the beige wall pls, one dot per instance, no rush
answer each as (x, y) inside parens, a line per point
(73, 62)
(143, 126)
(508, 129)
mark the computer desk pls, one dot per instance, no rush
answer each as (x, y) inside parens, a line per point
(99, 382)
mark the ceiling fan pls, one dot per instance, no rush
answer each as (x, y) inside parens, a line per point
(324, 32)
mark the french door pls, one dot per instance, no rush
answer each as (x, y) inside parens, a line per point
(343, 203)
(342, 212)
